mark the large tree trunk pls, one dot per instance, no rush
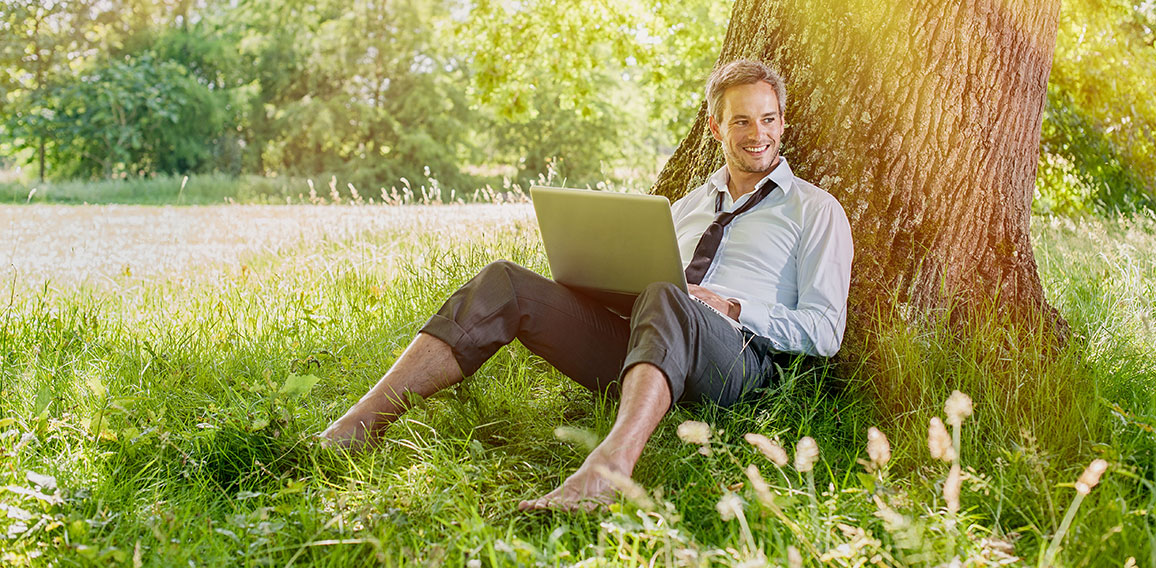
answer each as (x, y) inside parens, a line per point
(923, 119)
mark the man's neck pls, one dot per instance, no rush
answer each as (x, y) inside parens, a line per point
(741, 183)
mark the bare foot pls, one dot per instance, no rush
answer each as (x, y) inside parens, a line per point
(588, 489)
(350, 432)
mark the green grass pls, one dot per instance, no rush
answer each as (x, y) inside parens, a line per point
(211, 189)
(165, 411)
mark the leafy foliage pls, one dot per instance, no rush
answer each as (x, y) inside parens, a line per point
(1098, 146)
(469, 92)
(373, 92)
(135, 116)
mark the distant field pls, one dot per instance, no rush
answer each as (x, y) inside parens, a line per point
(216, 189)
(97, 245)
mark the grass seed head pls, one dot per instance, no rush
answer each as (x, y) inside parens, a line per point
(806, 454)
(627, 487)
(686, 557)
(878, 448)
(694, 432)
(762, 490)
(729, 506)
(1091, 476)
(757, 561)
(770, 450)
(579, 436)
(957, 407)
(939, 441)
(951, 488)
(794, 557)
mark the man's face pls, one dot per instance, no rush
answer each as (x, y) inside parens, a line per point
(751, 128)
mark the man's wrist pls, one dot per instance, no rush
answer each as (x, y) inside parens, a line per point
(734, 308)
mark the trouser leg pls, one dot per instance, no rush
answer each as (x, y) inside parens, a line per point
(575, 334)
(703, 356)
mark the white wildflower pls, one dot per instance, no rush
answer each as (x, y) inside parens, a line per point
(1091, 476)
(957, 407)
(729, 506)
(758, 561)
(770, 450)
(762, 490)
(939, 441)
(951, 488)
(686, 557)
(806, 454)
(694, 432)
(579, 436)
(878, 448)
(626, 487)
(794, 558)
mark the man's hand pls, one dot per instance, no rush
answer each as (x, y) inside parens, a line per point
(728, 307)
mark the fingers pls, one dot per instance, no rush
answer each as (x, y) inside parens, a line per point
(701, 293)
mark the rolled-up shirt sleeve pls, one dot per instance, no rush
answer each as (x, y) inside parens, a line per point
(815, 326)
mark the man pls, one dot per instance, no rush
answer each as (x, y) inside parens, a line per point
(769, 262)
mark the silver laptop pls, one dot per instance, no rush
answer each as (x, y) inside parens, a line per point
(608, 245)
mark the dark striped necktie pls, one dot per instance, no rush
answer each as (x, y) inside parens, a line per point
(711, 239)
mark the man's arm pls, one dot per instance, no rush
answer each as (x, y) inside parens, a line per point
(816, 325)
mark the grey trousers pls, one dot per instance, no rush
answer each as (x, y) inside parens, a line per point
(702, 356)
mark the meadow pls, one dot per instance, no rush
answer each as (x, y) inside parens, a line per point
(163, 370)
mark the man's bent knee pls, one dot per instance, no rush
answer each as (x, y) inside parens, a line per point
(661, 295)
(505, 267)
(507, 275)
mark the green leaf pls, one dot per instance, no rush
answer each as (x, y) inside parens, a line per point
(97, 386)
(299, 385)
(43, 399)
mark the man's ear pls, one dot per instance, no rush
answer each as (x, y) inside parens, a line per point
(714, 128)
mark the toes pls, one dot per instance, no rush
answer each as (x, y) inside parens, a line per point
(542, 504)
(547, 503)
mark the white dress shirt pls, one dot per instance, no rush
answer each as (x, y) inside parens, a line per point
(787, 261)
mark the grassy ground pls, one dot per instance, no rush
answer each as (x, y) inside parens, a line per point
(212, 189)
(163, 418)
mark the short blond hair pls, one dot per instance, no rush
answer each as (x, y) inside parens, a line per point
(741, 72)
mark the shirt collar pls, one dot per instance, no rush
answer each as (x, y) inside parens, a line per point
(781, 175)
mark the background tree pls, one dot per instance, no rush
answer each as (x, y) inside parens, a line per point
(365, 89)
(923, 119)
(1098, 150)
(132, 116)
(597, 91)
(38, 40)
(621, 81)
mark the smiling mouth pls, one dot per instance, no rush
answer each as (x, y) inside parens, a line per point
(756, 149)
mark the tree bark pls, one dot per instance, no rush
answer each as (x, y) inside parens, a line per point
(922, 117)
